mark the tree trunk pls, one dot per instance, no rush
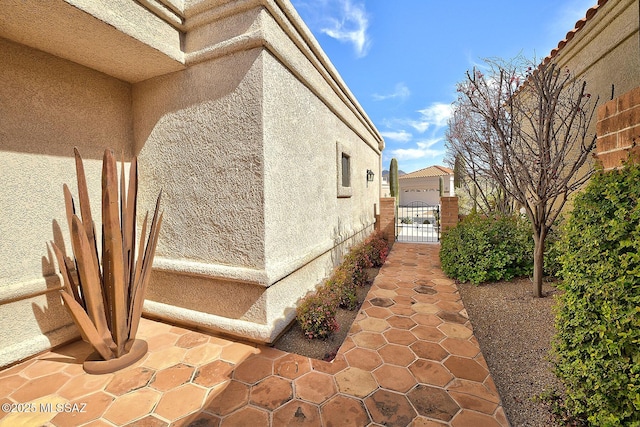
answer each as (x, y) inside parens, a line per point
(538, 263)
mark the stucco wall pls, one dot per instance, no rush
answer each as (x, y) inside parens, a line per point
(121, 38)
(606, 51)
(227, 108)
(47, 106)
(431, 197)
(198, 136)
(244, 143)
(302, 138)
(305, 219)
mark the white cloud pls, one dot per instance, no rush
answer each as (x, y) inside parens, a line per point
(401, 91)
(350, 26)
(423, 150)
(400, 136)
(437, 115)
(567, 15)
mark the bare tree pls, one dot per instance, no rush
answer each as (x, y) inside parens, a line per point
(480, 193)
(525, 128)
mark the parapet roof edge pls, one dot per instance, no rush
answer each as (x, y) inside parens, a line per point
(319, 53)
(206, 11)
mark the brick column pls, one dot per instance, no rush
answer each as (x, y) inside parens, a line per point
(386, 221)
(448, 213)
(618, 130)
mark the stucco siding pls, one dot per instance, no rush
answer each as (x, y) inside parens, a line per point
(199, 139)
(305, 215)
(120, 38)
(47, 106)
(606, 52)
(235, 114)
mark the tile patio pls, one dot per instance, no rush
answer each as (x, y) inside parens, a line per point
(410, 359)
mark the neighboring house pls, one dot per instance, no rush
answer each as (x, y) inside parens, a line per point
(604, 50)
(424, 185)
(233, 110)
(385, 188)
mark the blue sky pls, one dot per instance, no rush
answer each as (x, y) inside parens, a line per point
(403, 58)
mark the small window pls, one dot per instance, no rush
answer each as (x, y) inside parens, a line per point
(343, 169)
(346, 171)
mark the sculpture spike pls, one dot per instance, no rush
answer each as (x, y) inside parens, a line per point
(146, 266)
(87, 329)
(87, 270)
(112, 252)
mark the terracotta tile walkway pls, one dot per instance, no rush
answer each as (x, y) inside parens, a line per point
(410, 359)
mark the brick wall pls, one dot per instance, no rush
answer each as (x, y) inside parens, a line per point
(449, 213)
(386, 221)
(618, 130)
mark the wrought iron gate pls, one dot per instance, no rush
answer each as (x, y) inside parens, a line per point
(418, 222)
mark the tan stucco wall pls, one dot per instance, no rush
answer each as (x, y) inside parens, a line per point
(267, 215)
(199, 138)
(47, 106)
(120, 38)
(606, 51)
(234, 112)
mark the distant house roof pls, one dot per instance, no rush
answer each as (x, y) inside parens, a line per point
(431, 171)
(590, 14)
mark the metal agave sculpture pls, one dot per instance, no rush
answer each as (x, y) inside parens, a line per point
(106, 303)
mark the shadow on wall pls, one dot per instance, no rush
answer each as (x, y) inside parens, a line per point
(49, 314)
(50, 104)
(195, 92)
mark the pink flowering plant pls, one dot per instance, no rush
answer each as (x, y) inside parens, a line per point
(345, 289)
(316, 314)
(376, 249)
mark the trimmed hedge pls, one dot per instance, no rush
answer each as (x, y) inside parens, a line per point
(484, 249)
(597, 345)
(316, 314)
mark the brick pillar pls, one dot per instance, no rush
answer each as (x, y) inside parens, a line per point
(618, 130)
(448, 213)
(386, 221)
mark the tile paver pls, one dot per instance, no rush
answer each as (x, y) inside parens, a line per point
(390, 408)
(345, 411)
(395, 354)
(172, 377)
(433, 402)
(315, 387)
(297, 413)
(271, 393)
(410, 358)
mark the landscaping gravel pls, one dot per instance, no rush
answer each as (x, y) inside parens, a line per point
(515, 332)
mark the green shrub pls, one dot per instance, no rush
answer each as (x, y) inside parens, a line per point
(597, 345)
(552, 251)
(370, 253)
(483, 249)
(406, 220)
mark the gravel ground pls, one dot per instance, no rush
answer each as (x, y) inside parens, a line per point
(515, 331)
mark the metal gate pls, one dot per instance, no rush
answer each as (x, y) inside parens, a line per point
(418, 222)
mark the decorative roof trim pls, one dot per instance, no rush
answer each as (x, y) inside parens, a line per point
(579, 25)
